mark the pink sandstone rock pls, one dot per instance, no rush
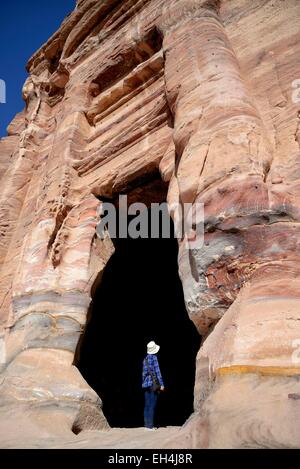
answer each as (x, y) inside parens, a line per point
(200, 92)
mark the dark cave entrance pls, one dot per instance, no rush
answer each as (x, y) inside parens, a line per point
(139, 299)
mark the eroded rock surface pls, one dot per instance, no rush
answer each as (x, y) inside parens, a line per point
(204, 94)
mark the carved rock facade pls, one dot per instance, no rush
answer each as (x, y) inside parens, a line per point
(202, 93)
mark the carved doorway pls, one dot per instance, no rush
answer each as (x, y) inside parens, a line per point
(140, 298)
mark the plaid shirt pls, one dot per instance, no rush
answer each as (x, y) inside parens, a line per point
(154, 366)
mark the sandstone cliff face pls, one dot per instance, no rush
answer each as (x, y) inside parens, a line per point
(202, 92)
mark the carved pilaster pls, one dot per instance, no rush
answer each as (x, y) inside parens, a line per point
(177, 12)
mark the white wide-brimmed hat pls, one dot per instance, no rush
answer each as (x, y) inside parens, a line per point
(152, 347)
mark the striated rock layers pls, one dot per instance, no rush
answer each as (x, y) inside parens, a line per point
(201, 95)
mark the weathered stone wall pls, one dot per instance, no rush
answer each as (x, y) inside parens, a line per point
(201, 91)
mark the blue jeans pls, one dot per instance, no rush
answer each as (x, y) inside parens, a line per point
(150, 404)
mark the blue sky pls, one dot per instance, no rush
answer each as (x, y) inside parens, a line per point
(24, 26)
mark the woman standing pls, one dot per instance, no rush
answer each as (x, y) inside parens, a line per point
(152, 383)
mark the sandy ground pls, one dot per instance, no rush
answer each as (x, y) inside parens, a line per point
(115, 438)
